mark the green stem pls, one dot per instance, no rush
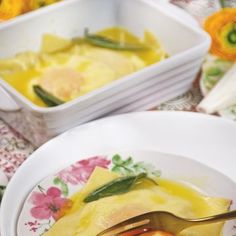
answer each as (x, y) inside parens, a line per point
(46, 97)
(222, 3)
(104, 42)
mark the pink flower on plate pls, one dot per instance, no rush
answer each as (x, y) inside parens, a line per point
(81, 170)
(49, 204)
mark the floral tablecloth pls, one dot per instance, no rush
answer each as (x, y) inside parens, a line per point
(14, 149)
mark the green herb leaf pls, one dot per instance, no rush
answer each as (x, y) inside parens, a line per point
(46, 97)
(115, 187)
(104, 42)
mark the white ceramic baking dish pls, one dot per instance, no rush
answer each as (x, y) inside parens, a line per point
(186, 46)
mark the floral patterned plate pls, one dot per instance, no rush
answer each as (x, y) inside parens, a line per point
(51, 197)
(212, 71)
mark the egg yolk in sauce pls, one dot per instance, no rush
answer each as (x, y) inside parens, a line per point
(68, 69)
(89, 219)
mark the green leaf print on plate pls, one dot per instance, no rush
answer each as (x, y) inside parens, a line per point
(129, 167)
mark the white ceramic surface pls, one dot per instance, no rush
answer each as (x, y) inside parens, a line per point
(177, 168)
(208, 139)
(68, 19)
(229, 112)
(7, 103)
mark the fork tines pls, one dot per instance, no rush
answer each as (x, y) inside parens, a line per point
(136, 222)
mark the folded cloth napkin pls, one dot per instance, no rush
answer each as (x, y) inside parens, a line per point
(223, 94)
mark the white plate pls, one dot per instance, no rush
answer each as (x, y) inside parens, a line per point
(208, 139)
(70, 180)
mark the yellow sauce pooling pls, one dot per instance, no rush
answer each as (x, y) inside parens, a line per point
(91, 218)
(94, 65)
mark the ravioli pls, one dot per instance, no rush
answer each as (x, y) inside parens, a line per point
(67, 69)
(91, 218)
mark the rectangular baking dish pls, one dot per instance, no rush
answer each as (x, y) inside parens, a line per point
(186, 46)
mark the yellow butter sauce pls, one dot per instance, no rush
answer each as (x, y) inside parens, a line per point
(199, 203)
(97, 66)
(22, 81)
(157, 53)
(89, 219)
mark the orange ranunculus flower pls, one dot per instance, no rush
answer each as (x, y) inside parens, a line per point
(11, 8)
(222, 28)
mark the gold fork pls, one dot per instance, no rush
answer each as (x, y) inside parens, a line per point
(165, 221)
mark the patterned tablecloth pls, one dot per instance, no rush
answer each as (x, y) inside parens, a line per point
(14, 149)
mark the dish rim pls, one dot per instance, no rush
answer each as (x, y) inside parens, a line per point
(25, 102)
(132, 153)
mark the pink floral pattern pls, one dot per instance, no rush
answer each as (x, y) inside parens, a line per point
(49, 204)
(33, 225)
(46, 204)
(14, 149)
(81, 170)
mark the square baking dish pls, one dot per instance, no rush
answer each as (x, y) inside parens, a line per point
(186, 46)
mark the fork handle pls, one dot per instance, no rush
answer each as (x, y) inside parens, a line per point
(216, 218)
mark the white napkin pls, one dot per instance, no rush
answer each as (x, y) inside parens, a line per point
(223, 94)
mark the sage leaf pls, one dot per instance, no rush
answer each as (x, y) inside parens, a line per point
(115, 187)
(49, 99)
(100, 41)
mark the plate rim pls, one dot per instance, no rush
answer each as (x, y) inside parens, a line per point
(132, 153)
(99, 122)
